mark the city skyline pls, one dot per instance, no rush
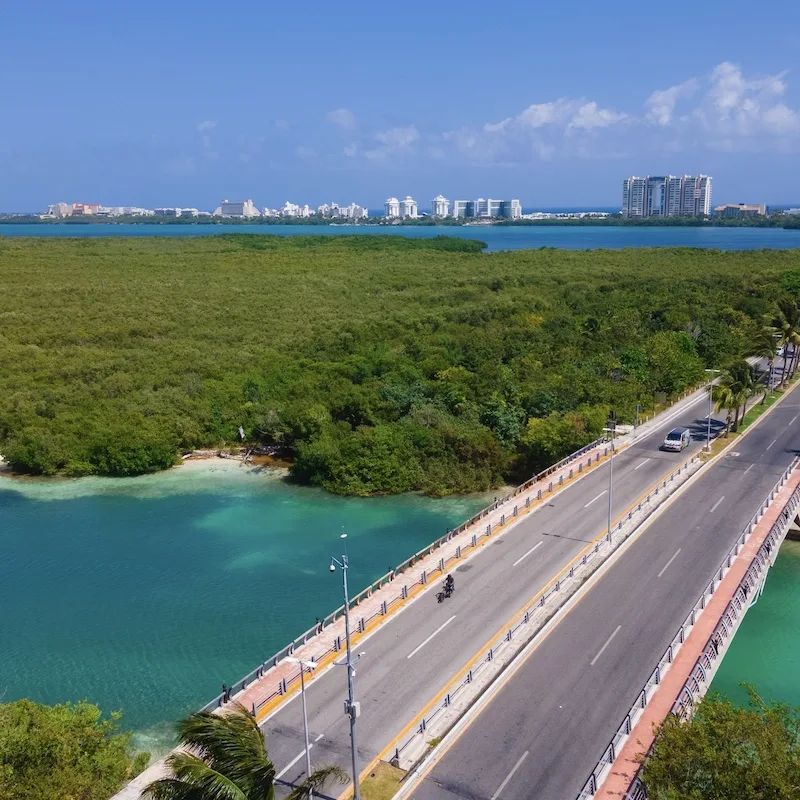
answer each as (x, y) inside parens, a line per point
(557, 127)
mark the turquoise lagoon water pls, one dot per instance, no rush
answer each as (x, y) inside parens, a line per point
(496, 238)
(766, 650)
(145, 594)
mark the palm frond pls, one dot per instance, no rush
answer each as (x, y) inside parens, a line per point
(232, 745)
(317, 781)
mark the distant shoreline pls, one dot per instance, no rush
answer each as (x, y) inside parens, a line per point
(771, 221)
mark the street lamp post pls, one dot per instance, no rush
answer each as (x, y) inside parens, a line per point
(351, 707)
(612, 427)
(310, 665)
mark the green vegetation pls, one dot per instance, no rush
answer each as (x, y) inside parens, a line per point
(383, 783)
(63, 752)
(727, 753)
(224, 757)
(375, 364)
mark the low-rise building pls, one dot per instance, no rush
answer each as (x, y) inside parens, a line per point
(168, 212)
(734, 211)
(243, 209)
(59, 210)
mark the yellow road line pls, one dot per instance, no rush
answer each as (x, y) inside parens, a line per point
(471, 662)
(273, 704)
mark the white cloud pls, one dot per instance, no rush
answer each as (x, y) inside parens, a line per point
(397, 138)
(305, 152)
(282, 124)
(723, 109)
(590, 116)
(660, 106)
(206, 125)
(394, 141)
(734, 111)
(342, 118)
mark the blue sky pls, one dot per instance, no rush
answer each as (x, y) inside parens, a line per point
(184, 103)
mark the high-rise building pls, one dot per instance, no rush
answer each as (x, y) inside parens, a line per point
(487, 209)
(510, 209)
(408, 207)
(460, 208)
(392, 208)
(440, 206)
(666, 196)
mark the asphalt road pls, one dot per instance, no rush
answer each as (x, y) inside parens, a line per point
(412, 657)
(544, 731)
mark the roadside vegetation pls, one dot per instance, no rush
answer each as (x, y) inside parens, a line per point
(63, 752)
(374, 364)
(727, 753)
(224, 757)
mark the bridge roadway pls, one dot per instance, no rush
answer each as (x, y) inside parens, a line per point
(416, 653)
(541, 735)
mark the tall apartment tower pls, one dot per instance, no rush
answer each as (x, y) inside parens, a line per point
(633, 191)
(666, 196)
(440, 206)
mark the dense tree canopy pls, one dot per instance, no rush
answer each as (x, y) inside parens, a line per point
(378, 364)
(63, 752)
(727, 753)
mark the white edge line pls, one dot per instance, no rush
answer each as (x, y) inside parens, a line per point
(522, 558)
(438, 630)
(596, 498)
(292, 763)
(509, 776)
(664, 568)
(608, 642)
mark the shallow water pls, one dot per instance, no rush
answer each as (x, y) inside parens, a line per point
(765, 652)
(145, 594)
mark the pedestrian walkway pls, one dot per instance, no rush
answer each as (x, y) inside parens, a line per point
(624, 770)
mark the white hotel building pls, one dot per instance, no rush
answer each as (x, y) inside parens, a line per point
(440, 206)
(400, 209)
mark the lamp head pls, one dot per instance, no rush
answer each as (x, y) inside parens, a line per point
(332, 567)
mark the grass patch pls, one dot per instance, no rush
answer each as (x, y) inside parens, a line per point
(383, 782)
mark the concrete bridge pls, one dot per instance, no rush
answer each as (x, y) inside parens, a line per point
(541, 579)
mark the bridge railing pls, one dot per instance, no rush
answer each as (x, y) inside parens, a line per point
(546, 604)
(283, 686)
(631, 718)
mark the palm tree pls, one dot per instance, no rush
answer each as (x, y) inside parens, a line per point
(786, 324)
(765, 345)
(724, 395)
(747, 379)
(223, 757)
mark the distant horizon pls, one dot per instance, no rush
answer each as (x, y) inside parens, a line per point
(378, 211)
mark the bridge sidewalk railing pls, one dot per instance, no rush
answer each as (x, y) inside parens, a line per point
(269, 683)
(686, 669)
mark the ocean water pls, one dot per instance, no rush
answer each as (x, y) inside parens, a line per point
(765, 652)
(145, 594)
(496, 238)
